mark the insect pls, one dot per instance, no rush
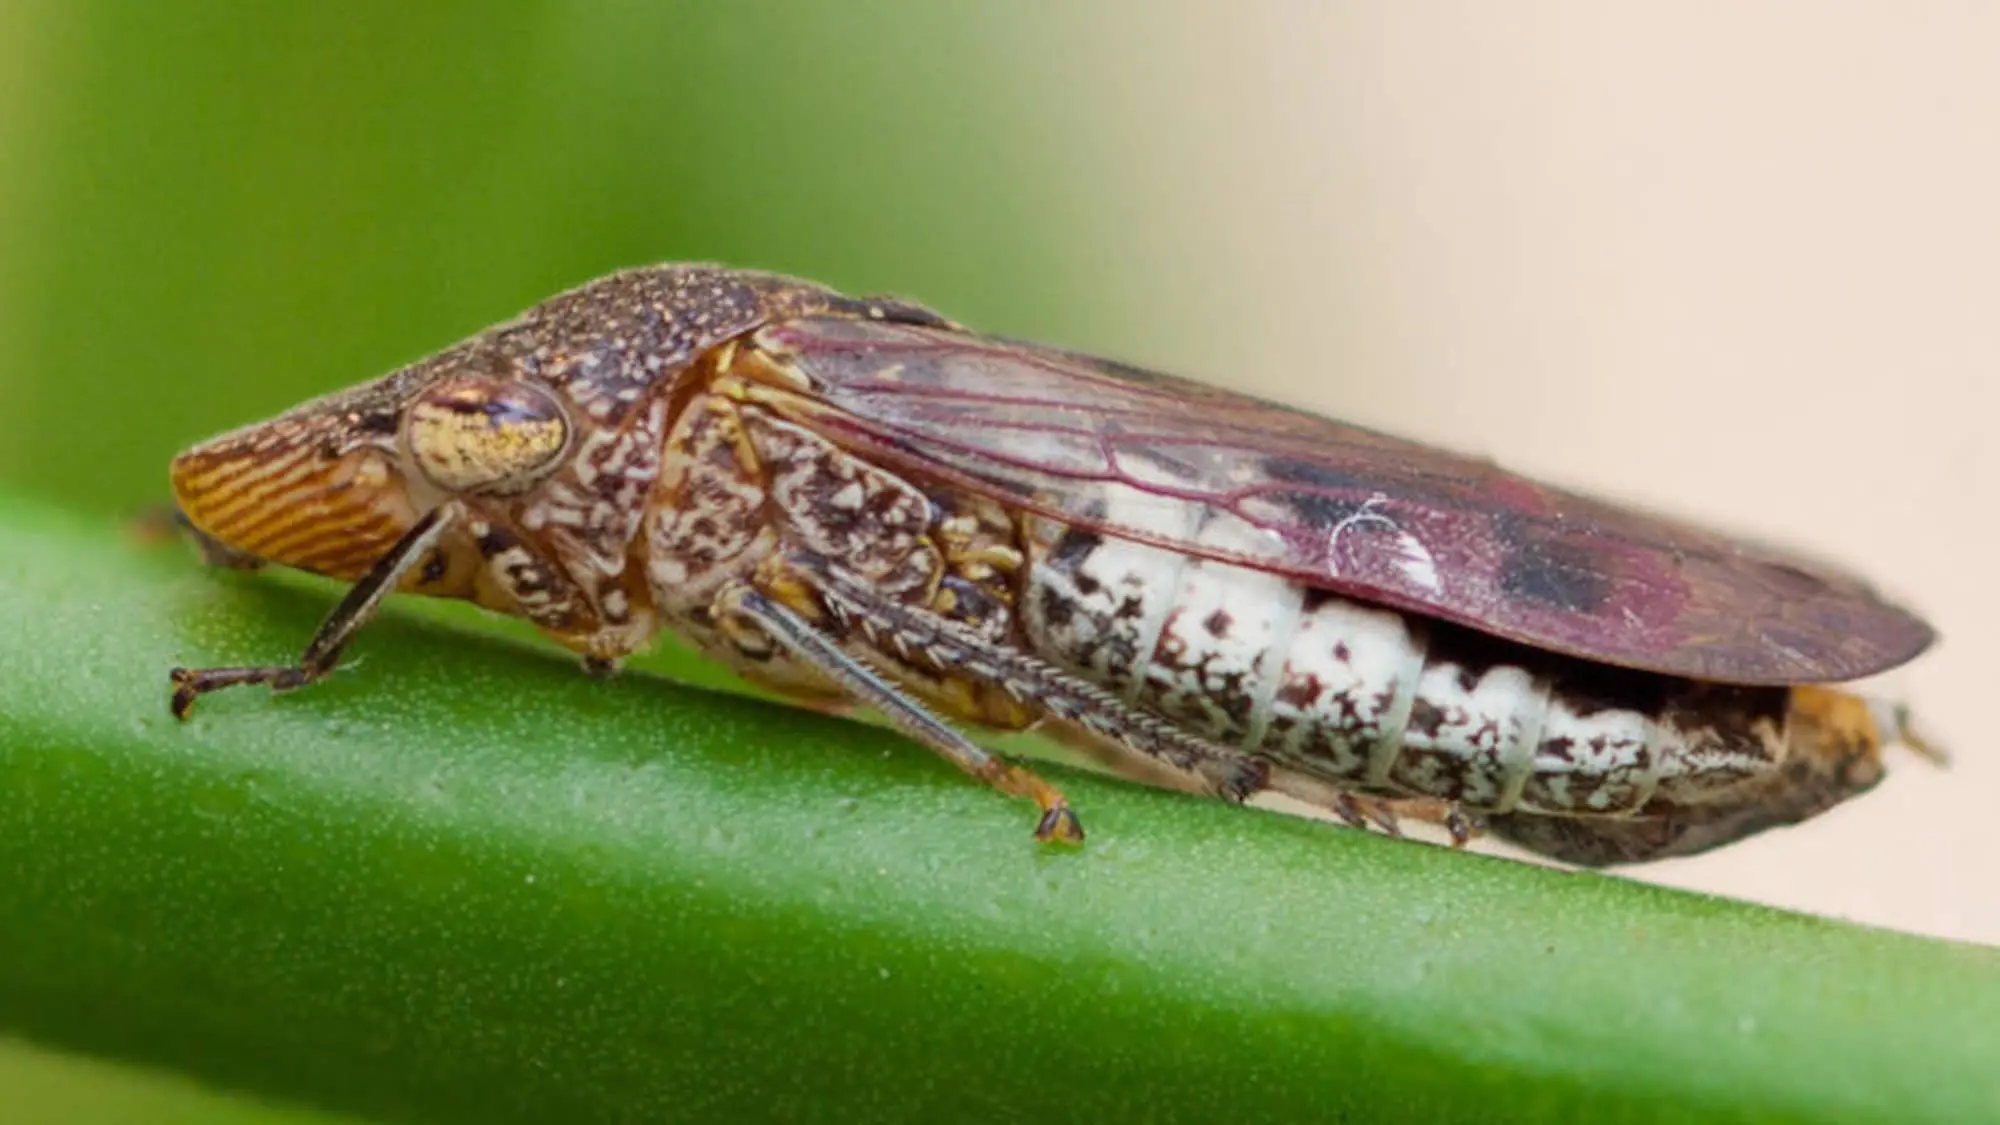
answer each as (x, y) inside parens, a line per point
(859, 502)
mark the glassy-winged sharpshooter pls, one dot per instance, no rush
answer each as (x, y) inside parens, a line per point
(856, 501)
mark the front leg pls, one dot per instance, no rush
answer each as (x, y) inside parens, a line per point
(322, 653)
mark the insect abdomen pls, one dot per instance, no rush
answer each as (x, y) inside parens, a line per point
(1380, 700)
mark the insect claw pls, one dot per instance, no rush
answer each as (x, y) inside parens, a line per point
(1059, 826)
(1348, 810)
(185, 692)
(1384, 817)
(1459, 825)
(1244, 779)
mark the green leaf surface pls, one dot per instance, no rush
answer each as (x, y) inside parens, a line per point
(462, 882)
(59, 1087)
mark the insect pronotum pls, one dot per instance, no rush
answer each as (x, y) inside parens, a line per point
(856, 501)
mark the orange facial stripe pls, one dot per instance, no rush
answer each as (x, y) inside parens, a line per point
(286, 504)
(287, 532)
(233, 487)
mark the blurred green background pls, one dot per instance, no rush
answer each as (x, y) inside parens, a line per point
(214, 210)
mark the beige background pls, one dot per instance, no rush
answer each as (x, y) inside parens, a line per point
(1740, 261)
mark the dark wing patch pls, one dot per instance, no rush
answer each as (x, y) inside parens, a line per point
(1557, 575)
(1118, 451)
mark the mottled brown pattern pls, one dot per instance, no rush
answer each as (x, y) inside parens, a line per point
(837, 506)
(1453, 754)
(1177, 566)
(707, 520)
(1337, 707)
(1219, 710)
(1729, 735)
(516, 579)
(1101, 622)
(1834, 755)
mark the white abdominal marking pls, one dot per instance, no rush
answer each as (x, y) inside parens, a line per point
(1407, 553)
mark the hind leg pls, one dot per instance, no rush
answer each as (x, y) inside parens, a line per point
(1355, 809)
(1374, 810)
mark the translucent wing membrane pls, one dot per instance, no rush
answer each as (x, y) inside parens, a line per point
(1133, 453)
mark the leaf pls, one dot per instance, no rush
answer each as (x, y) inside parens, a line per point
(462, 882)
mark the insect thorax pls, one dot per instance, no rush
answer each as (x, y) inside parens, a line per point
(747, 495)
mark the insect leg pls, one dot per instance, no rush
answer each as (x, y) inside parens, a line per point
(798, 636)
(1461, 824)
(898, 628)
(323, 651)
(1374, 811)
(1389, 812)
(1124, 730)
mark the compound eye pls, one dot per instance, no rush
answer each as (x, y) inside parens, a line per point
(485, 435)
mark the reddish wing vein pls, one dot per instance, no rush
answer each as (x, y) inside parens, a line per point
(1128, 452)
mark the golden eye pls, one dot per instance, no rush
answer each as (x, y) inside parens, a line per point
(485, 435)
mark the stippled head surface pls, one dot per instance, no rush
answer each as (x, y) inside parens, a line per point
(547, 427)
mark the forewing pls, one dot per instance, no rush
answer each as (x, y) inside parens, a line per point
(1213, 473)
